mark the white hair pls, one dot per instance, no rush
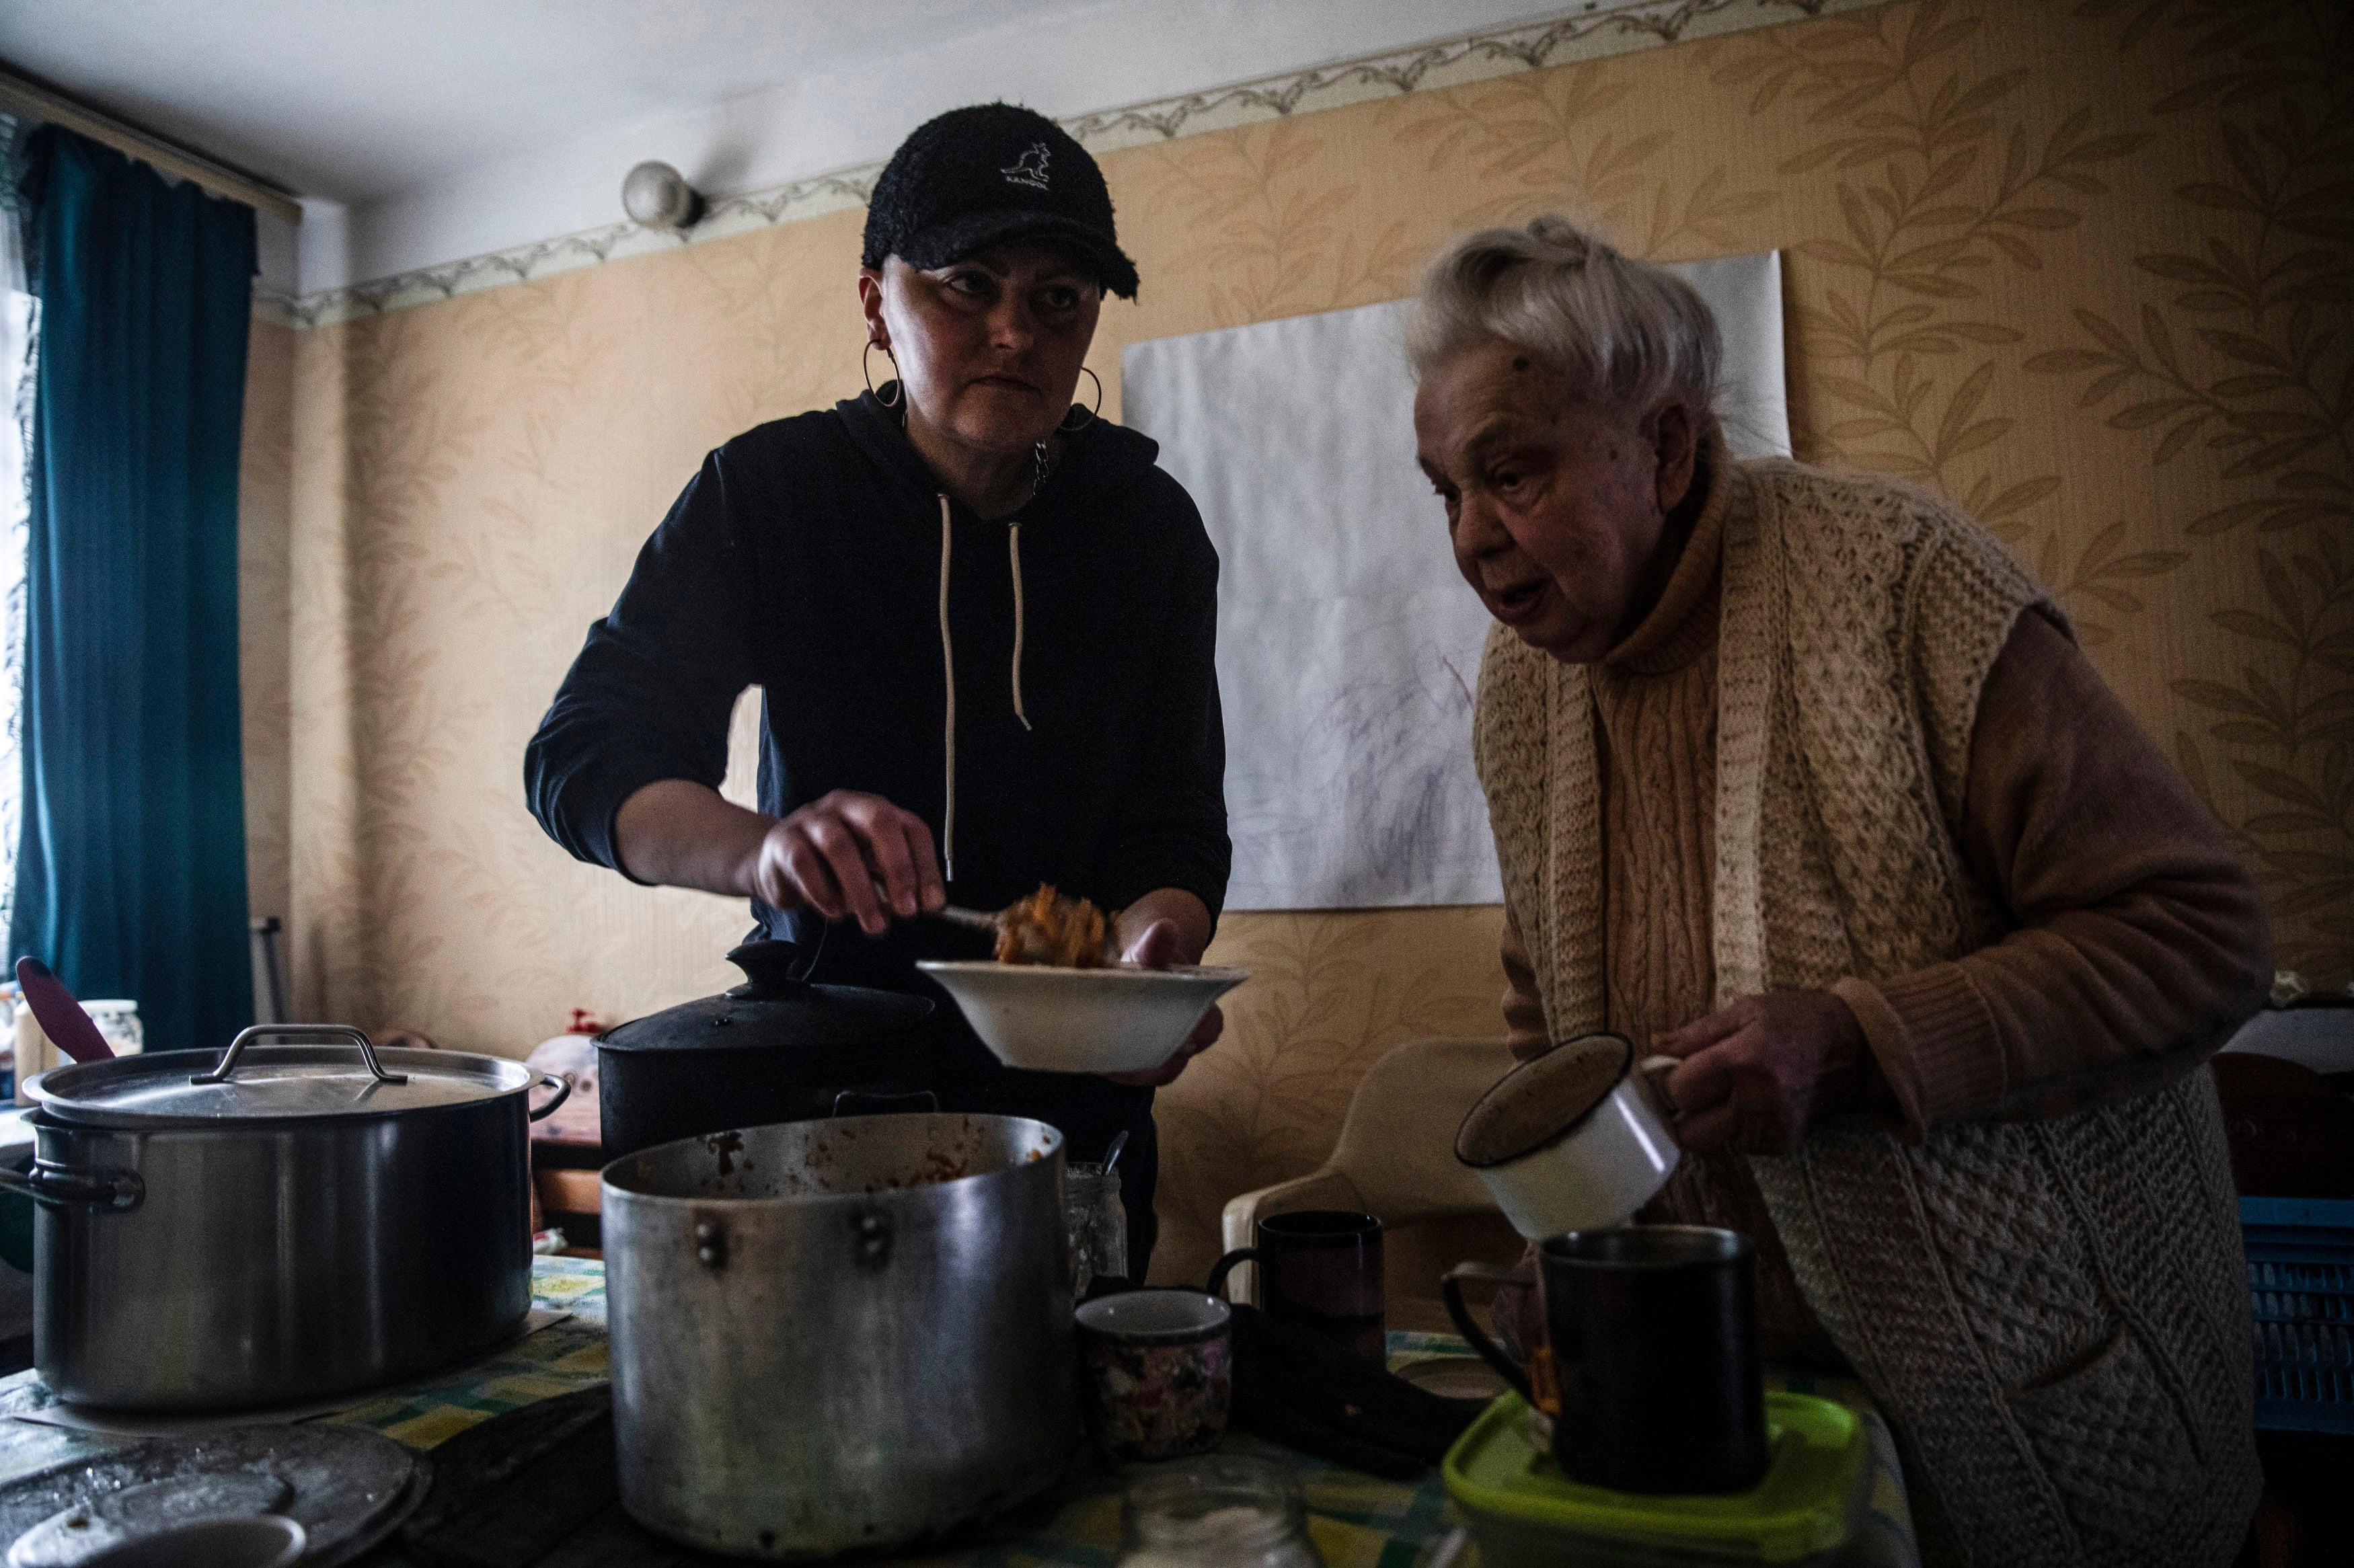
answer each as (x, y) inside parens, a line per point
(1619, 330)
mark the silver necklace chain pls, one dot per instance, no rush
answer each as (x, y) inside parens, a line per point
(1040, 464)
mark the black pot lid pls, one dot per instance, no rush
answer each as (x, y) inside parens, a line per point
(774, 1008)
(270, 1083)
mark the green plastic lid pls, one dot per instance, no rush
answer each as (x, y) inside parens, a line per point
(1804, 1506)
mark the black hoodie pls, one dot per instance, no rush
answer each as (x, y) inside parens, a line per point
(806, 558)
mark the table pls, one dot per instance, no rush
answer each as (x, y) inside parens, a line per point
(1357, 1521)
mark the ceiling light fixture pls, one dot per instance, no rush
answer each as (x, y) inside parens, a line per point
(658, 196)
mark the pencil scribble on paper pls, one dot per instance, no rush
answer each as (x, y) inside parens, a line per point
(1348, 645)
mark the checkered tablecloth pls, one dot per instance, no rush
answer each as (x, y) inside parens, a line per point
(1357, 1521)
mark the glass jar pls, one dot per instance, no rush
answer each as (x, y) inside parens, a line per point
(118, 1025)
(1223, 1512)
(1097, 1222)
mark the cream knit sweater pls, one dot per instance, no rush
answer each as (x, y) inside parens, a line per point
(2053, 1313)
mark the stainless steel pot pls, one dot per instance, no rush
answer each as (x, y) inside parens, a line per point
(830, 1335)
(275, 1223)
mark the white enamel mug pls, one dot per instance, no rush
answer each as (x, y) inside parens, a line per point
(1591, 1171)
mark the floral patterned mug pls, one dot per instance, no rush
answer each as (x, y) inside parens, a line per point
(1160, 1369)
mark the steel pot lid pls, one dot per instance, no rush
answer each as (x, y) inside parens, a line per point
(270, 1083)
(774, 1007)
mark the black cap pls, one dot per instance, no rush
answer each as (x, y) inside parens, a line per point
(992, 174)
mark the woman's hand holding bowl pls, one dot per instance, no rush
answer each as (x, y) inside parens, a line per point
(1161, 944)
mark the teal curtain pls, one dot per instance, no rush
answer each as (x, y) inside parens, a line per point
(131, 864)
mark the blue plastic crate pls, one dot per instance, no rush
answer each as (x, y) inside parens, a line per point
(2301, 1286)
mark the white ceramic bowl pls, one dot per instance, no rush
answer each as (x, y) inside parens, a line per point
(1054, 1020)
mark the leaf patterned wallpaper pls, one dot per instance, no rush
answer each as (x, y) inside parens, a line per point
(2085, 267)
(263, 519)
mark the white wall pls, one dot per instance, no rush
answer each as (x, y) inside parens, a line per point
(277, 244)
(1109, 54)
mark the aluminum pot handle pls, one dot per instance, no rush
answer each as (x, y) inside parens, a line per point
(121, 1190)
(563, 1087)
(858, 1102)
(220, 1074)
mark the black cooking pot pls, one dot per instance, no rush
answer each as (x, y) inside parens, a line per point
(774, 1049)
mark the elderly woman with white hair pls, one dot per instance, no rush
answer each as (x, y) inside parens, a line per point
(1800, 776)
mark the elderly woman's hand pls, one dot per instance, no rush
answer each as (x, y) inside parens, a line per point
(1753, 1073)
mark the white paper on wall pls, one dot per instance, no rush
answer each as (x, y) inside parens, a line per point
(1348, 647)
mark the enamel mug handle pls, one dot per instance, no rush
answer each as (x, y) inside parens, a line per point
(1228, 1264)
(1651, 1079)
(1494, 1354)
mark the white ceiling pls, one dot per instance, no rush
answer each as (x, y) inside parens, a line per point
(351, 100)
(426, 130)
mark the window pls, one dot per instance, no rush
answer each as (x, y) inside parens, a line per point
(19, 317)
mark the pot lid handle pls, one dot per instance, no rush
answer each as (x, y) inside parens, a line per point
(772, 968)
(220, 1074)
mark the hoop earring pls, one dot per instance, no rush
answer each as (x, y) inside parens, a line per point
(1079, 419)
(892, 386)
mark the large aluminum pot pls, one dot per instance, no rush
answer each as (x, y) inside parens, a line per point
(275, 1223)
(830, 1335)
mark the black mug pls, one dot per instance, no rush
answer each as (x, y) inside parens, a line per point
(1650, 1368)
(1321, 1268)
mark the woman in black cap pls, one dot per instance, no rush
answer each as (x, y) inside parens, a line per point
(982, 621)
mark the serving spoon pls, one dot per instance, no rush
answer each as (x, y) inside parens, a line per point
(970, 919)
(992, 925)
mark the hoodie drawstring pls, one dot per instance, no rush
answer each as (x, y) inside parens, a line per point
(1013, 559)
(948, 666)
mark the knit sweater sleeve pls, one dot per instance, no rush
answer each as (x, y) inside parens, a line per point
(2131, 941)
(1525, 1022)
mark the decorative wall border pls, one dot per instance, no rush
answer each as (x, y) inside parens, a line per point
(1587, 31)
